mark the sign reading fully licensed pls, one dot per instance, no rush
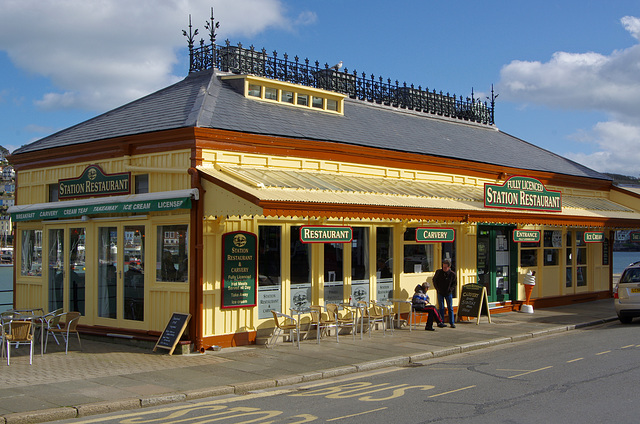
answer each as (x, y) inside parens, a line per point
(523, 193)
(325, 234)
(435, 235)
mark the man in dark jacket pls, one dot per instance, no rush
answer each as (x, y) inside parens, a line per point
(445, 282)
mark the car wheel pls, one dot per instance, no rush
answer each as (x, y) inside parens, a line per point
(625, 319)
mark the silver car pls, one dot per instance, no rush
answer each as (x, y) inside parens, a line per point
(627, 294)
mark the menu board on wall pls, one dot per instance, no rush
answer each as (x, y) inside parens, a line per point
(239, 269)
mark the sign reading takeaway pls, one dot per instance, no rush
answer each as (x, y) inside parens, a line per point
(94, 182)
(522, 193)
(325, 234)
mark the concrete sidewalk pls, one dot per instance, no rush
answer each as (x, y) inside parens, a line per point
(106, 377)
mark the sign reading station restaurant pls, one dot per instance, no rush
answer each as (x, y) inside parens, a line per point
(239, 269)
(435, 235)
(94, 182)
(593, 236)
(325, 234)
(524, 193)
(526, 236)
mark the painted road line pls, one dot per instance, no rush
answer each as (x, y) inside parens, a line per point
(355, 415)
(626, 347)
(532, 371)
(602, 353)
(452, 391)
(575, 360)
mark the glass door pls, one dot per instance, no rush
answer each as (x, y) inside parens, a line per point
(66, 269)
(497, 262)
(121, 266)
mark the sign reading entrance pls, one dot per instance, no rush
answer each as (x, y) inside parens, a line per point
(325, 234)
(94, 182)
(239, 269)
(593, 236)
(474, 302)
(435, 235)
(526, 236)
(524, 193)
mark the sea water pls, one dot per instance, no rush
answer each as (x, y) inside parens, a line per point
(6, 288)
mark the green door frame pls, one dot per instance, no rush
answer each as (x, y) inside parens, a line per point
(488, 270)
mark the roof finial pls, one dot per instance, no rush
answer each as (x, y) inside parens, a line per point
(212, 25)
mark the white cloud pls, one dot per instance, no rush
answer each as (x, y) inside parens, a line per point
(592, 82)
(101, 54)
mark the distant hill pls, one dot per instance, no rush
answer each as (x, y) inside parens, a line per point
(624, 180)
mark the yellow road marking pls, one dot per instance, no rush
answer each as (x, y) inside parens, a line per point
(602, 353)
(532, 371)
(574, 360)
(452, 391)
(508, 369)
(626, 347)
(358, 376)
(355, 415)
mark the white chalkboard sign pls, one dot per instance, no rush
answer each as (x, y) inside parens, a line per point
(173, 331)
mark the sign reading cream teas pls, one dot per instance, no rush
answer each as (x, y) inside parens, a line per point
(593, 236)
(526, 236)
(524, 193)
(94, 182)
(239, 269)
(435, 235)
(325, 234)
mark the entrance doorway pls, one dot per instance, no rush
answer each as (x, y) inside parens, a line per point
(121, 282)
(497, 261)
(66, 269)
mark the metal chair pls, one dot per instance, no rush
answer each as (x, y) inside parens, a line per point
(345, 320)
(284, 322)
(18, 332)
(322, 322)
(70, 326)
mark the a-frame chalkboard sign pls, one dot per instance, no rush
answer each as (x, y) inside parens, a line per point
(173, 331)
(473, 302)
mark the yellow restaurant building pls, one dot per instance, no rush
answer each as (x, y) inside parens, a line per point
(260, 183)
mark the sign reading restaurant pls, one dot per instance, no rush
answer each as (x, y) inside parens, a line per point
(94, 182)
(325, 234)
(522, 193)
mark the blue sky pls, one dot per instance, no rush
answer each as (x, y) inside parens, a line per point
(567, 72)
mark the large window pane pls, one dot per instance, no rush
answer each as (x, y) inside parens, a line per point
(269, 273)
(134, 254)
(333, 276)
(172, 263)
(360, 264)
(31, 254)
(107, 281)
(56, 269)
(300, 271)
(418, 258)
(384, 261)
(77, 269)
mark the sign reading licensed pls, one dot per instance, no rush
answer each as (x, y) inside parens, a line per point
(523, 193)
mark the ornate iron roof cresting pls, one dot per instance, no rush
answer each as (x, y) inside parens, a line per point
(239, 60)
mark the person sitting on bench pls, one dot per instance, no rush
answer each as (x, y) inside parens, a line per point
(420, 303)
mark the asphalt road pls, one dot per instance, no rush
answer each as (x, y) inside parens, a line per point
(585, 376)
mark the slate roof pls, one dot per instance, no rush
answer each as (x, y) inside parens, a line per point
(202, 99)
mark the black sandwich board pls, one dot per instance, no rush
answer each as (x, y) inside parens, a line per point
(473, 302)
(173, 331)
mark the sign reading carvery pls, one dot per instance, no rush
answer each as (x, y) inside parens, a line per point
(435, 235)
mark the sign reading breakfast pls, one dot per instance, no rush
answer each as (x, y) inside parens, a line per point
(523, 193)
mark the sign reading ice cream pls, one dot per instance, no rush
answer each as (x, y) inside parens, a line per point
(523, 193)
